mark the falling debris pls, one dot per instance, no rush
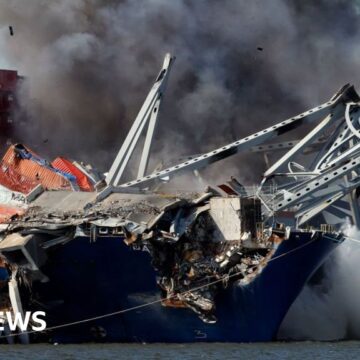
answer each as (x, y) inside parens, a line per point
(11, 30)
(260, 48)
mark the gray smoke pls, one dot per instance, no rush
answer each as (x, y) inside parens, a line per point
(328, 309)
(241, 65)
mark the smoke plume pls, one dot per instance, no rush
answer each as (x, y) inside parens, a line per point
(241, 65)
(328, 307)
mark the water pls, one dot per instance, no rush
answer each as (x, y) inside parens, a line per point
(276, 350)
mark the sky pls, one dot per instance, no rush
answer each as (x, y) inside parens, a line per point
(5, 63)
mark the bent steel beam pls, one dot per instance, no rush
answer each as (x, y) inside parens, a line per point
(255, 139)
(148, 110)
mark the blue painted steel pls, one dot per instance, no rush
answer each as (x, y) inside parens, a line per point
(90, 279)
(4, 274)
(24, 154)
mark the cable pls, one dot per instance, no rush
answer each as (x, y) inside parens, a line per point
(352, 239)
(155, 301)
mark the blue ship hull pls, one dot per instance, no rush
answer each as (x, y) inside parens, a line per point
(89, 279)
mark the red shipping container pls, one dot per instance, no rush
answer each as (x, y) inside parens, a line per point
(67, 166)
(7, 212)
(23, 174)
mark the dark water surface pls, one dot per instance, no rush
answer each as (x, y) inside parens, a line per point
(292, 351)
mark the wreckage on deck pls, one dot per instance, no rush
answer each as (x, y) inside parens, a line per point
(192, 240)
(211, 254)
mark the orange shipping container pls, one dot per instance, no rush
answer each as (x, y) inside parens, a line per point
(24, 173)
(65, 165)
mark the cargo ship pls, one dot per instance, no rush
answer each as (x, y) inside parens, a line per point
(115, 261)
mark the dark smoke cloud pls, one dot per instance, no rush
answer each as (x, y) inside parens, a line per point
(90, 63)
